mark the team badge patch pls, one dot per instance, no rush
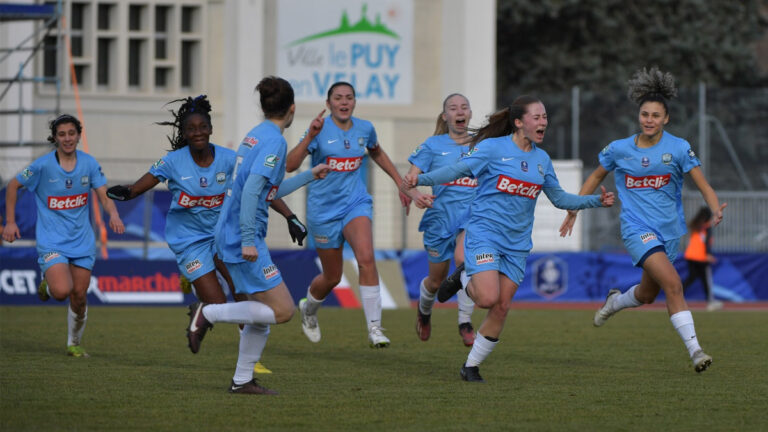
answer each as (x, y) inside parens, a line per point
(550, 277)
(158, 164)
(691, 154)
(646, 237)
(271, 160)
(270, 271)
(221, 177)
(666, 158)
(524, 166)
(541, 169)
(68, 183)
(645, 162)
(50, 255)
(84, 181)
(346, 144)
(27, 173)
(192, 266)
(471, 151)
(250, 141)
(484, 258)
(203, 182)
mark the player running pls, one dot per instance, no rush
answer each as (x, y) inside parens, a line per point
(340, 208)
(511, 171)
(443, 224)
(61, 181)
(649, 168)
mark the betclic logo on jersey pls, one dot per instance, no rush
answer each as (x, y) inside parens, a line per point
(518, 187)
(68, 202)
(344, 164)
(652, 181)
(207, 201)
(464, 181)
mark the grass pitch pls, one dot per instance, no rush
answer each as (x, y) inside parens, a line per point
(551, 371)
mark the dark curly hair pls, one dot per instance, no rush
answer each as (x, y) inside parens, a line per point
(60, 120)
(652, 86)
(198, 105)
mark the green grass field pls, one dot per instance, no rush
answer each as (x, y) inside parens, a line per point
(551, 371)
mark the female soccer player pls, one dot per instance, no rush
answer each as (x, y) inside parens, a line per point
(339, 208)
(649, 168)
(443, 225)
(511, 171)
(256, 180)
(61, 181)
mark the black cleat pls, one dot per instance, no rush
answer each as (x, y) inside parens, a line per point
(471, 374)
(451, 285)
(423, 325)
(198, 326)
(251, 387)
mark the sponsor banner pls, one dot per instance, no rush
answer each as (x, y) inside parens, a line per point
(368, 44)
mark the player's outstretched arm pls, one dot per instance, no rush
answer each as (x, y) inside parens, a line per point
(382, 160)
(115, 223)
(297, 154)
(11, 230)
(589, 186)
(125, 193)
(710, 197)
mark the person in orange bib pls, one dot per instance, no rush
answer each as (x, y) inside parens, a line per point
(698, 255)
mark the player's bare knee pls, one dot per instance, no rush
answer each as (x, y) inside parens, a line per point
(283, 315)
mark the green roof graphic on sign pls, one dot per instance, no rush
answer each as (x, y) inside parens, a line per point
(362, 26)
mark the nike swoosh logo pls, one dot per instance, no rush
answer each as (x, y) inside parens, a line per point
(53, 180)
(193, 325)
(186, 178)
(506, 159)
(237, 387)
(446, 153)
(332, 141)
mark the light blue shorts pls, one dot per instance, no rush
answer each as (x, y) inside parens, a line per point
(196, 260)
(258, 276)
(329, 235)
(48, 258)
(485, 258)
(641, 243)
(439, 249)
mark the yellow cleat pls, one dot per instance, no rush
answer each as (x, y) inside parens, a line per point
(261, 369)
(76, 351)
(185, 285)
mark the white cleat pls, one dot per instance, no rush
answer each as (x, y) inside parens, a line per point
(376, 338)
(714, 305)
(309, 323)
(605, 312)
(701, 361)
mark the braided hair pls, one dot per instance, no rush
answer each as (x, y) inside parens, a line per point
(60, 120)
(652, 86)
(198, 105)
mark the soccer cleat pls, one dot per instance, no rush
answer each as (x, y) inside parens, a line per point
(471, 374)
(76, 351)
(261, 369)
(714, 305)
(198, 326)
(376, 338)
(309, 323)
(605, 312)
(42, 291)
(185, 285)
(423, 325)
(450, 285)
(467, 333)
(701, 361)
(251, 387)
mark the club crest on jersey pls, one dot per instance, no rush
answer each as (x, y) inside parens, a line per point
(346, 144)
(646, 237)
(666, 158)
(645, 162)
(158, 164)
(361, 142)
(416, 150)
(271, 160)
(691, 154)
(550, 277)
(192, 266)
(27, 173)
(84, 181)
(270, 271)
(484, 258)
(541, 169)
(524, 166)
(221, 177)
(203, 182)
(49, 256)
(68, 183)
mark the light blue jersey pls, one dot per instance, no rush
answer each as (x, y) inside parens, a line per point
(510, 181)
(450, 210)
(198, 194)
(649, 182)
(262, 152)
(343, 187)
(63, 223)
